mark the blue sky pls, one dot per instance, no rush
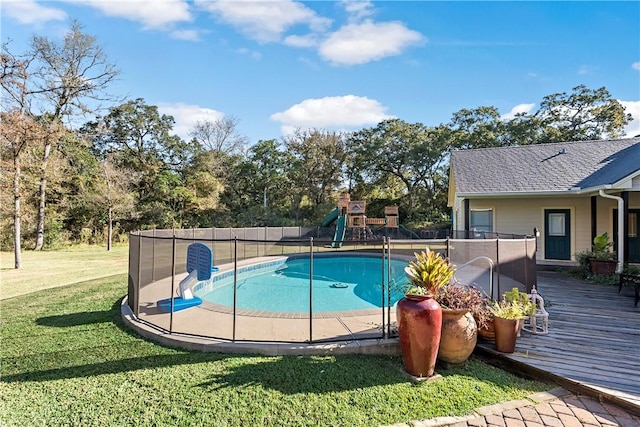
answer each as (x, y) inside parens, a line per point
(347, 65)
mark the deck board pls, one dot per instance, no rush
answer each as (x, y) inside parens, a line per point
(593, 344)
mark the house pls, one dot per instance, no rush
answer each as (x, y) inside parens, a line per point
(565, 192)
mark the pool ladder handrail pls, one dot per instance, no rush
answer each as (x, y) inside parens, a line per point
(491, 267)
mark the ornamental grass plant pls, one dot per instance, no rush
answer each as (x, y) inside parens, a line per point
(429, 272)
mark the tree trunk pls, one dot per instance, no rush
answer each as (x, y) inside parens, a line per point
(43, 196)
(17, 247)
(110, 229)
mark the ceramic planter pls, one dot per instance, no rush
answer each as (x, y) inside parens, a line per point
(487, 333)
(606, 267)
(419, 328)
(459, 336)
(506, 331)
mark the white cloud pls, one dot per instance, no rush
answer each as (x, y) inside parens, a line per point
(308, 40)
(187, 115)
(358, 9)
(633, 108)
(636, 65)
(153, 14)
(518, 109)
(29, 12)
(189, 35)
(368, 41)
(265, 20)
(332, 112)
(253, 54)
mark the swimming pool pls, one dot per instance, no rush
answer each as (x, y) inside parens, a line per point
(340, 283)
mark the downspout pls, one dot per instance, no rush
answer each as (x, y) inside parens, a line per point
(620, 228)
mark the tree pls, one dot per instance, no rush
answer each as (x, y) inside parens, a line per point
(481, 127)
(65, 78)
(316, 164)
(139, 141)
(18, 132)
(586, 114)
(14, 133)
(219, 135)
(410, 154)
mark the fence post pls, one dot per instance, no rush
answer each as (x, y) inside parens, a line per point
(498, 273)
(173, 278)
(137, 310)
(153, 256)
(311, 290)
(386, 246)
(235, 285)
(526, 265)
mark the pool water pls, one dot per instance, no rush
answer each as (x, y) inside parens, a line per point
(339, 284)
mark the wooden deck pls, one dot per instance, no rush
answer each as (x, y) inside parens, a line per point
(593, 346)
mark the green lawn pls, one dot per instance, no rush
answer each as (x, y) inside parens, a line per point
(68, 361)
(50, 269)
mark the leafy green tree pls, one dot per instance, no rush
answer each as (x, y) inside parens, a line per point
(480, 127)
(396, 152)
(258, 187)
(316, 161)
(585, 114)
(205, 177)
(139, 140)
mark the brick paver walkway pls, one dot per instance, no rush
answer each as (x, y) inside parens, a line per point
(558, 408)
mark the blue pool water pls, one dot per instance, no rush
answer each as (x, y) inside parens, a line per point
(339, 284)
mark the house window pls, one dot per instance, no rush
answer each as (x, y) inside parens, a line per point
(481, 220)
(633, 224)
(557, 224)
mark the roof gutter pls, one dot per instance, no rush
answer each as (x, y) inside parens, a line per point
(574, 191)
(620, 228)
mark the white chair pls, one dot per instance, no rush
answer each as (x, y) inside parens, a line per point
(538, 323)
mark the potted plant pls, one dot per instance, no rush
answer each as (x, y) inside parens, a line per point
(601, 259)
(484, 320)
(507, 316)
(514, 295)
(461, 305)
(419, 315)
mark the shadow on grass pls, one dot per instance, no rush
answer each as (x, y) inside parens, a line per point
(76, 319)
(304, 374)
(288, 374)
(112, 367)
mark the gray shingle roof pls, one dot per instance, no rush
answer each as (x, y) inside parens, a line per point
(545, 167)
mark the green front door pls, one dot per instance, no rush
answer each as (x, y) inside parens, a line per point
(557, 234)
(633, 233)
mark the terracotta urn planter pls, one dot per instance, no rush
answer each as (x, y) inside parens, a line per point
(459, 336)
(506, 332)
(419, 328)
(487, 333)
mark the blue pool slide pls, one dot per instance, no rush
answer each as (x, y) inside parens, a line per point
(199, 267)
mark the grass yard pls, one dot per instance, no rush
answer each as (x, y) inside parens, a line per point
(68, 361)
(50, 269)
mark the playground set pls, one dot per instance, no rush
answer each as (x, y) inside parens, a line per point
(352, 222)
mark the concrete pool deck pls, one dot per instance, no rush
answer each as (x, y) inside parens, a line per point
(218, 323)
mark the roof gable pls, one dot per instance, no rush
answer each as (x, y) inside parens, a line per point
(544, 168)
